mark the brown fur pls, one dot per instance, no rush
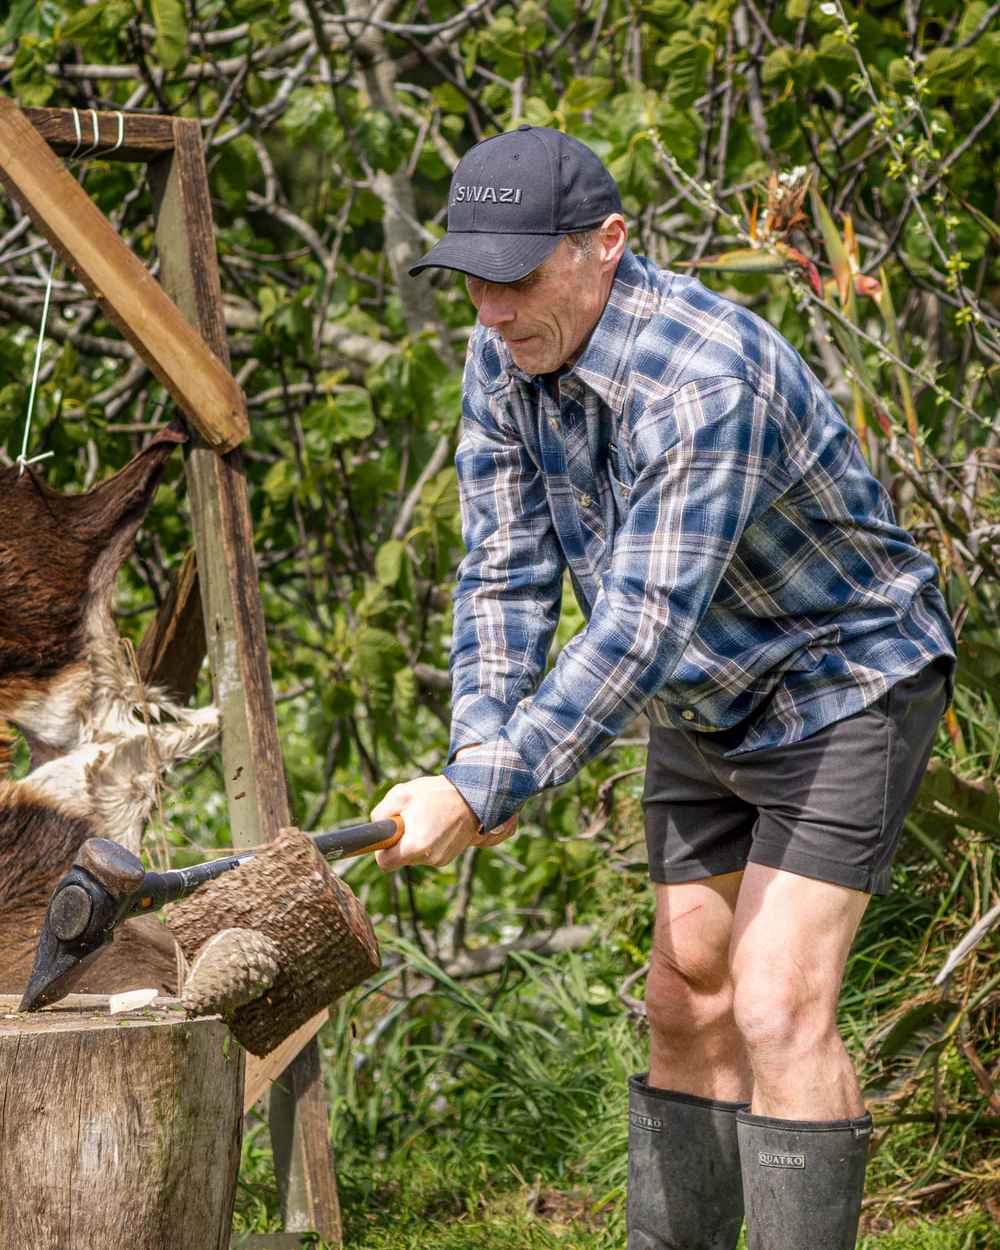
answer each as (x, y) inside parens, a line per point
(67, 685)
(59, 555)
(143, 951)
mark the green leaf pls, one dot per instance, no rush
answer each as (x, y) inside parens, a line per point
(310, 117)
(389, 562)
(971, 17)
(987, 223)
(449, 99)
(280, 482)
(835, 247)
(919, 1029)
(379, 654)
(945, 65)
(975, 804)
(778, 66)
(170, 20)
(979, 666)
(634, 169)
(666, 15)
(892, 332)
(28, 17)
(739, 260)
(235, 171)
(80, 23)
(900, 74)
(686, 61)
(352, 415)
(584, 93)
(835, 60)
(33, 85)
(536, 112)
(405, 692)
(383, 140)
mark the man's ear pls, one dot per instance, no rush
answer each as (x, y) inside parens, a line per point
(613, 236)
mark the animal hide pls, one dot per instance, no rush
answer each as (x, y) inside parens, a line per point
(98, 739)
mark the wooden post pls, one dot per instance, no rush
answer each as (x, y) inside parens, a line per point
(237, 650)
(117, 1131)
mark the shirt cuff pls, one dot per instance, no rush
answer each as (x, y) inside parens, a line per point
(476, 718)
(494, 780)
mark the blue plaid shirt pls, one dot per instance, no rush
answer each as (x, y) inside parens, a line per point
(737, 563)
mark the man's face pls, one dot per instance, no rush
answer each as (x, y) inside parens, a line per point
(546, 317)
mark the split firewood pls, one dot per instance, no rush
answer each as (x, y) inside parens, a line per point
(303, 919)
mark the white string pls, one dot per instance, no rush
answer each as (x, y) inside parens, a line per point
(97, 137)
(79, 136)
(22, 460)
(76, 154)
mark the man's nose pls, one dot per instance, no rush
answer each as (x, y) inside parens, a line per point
(496, 307)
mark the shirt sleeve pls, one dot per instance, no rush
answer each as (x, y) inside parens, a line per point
(506, 602)
(708, 461)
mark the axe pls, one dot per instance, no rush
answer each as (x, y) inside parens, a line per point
(107, 884)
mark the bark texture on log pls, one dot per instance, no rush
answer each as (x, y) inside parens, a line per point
(325, 940)
(119, 1131)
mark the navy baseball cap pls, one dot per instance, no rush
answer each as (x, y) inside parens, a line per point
(513, 197)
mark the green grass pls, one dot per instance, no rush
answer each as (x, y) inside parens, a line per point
(497, 1119)
(415, 1202)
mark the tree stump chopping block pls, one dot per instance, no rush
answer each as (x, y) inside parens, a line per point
(120, 1132)
(321, 938)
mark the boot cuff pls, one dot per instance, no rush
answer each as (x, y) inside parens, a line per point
(862, 1126)
(639, 1087)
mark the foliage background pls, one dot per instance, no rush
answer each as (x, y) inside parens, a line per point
(832, 166)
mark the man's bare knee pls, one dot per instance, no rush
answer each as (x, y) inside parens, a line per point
(685, 1001)
(780, 1014)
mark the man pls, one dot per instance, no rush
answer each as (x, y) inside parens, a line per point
(745, 584)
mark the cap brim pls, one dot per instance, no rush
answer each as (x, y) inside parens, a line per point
(493, 257)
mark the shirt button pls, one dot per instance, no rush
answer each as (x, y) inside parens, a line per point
(687, 714)
(585, 501)
(554, 422)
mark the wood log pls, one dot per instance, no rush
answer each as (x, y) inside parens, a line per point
(117, 1131)
(325, 941)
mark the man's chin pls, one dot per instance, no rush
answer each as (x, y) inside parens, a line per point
(530, 355)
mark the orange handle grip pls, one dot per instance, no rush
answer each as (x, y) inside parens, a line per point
(391, 840)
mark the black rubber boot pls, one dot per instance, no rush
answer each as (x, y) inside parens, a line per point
(684, 1189)
(803, 1181)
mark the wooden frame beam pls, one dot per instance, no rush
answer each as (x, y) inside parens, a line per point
(199, 382)
(144, 137)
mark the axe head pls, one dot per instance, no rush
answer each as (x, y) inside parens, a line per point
(80, 919)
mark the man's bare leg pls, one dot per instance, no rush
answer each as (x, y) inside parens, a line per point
(684, 1164)
(695, 1046)
(791, 938)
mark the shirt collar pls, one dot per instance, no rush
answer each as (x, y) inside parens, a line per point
(605, 365)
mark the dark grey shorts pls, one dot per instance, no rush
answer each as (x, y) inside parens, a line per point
(829, 807)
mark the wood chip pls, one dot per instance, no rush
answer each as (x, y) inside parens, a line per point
(130, 1000)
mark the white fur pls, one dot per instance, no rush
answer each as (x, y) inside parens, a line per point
(117, 738)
